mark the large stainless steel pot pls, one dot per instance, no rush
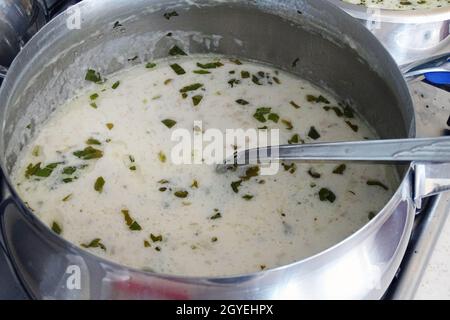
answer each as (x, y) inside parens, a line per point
(334, 51)
(409, 35)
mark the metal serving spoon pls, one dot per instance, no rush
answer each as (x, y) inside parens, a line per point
(396, 150)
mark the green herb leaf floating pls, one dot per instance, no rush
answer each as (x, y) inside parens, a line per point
(99, 183)
(115, 85)
(295, 139)
(216, 215)
(150, 65)
(201, 72)
(69, 170)
(36, 170)
(255, 80)
(130, 222)
(56, 228)
(242, 102)
(169, 123)
(92, 141)
(93, 76)
(326, 195)
(354, 127)
(67, 198)
(88, 153)
(340, 169)
(177, 69)
(235, 185)
(273, 117)
(318, 99)
(94, 96)
(171, 14)
(194, 184)
(314, 174)
(211, 65)
(261, 113)
(96, 243)
(236, 61)
(197, 99)
(155, 238)
(181, 194)
(162, 157)
(313, 134)
(296, 106)
(377, 183)
(110, 126)
(176, 51)
(147, 244)
(348, 112)
(247, 197)
(250, 173)
(191, 87)
(292, 168)
(288, 124)
(93, 105)
(245, 74)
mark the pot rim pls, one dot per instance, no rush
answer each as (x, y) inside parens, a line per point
(394, 16)
(40, 226)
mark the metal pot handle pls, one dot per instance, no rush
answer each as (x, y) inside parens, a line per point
(430, 179)
(435, 69)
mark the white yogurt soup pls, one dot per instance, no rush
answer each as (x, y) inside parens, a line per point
(99, 171)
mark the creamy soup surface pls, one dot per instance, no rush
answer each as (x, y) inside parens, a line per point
(401, 4)
(99, 171)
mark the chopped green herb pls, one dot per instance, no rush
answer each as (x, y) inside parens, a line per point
(261, 113)
(250, 173)
(96, 243)
(211, 65)
(273, 117)
(197, 99)
(93, 76)
(214, 239)
(326, 195)
(313, 134)
(194, 184)
(135, 226)
(169, 123)
(288, 124)
(92, 141)
(110, 126)
(314, 174)
(296, 106)
(176, 51)
(242, 102)
(354, 127)
(191, 87)
(171, 14)
(150, 65)
(377, 183)
(99, 183)
(115, 85)
(277, 81)
(247, 197)
(36, 170)
(155, 238)
(232, 82)
(295, 139)
(93, 105)
(235, 185)
(236, 61)
(94, 96)
(88, 153)
(131, 223)
(348, 112)
(255, 80)
(292, 168)
(340, 169)
(66, 198)
(201, 72)
(67, 180)
(177, 69)
(36, 151)
(181, 194)
(147, 244)
(162, 157)
(318, 99)
(163, 181)
(372, 215)
(69, 170)
(217, 215)
(56, 228)
(245, 74)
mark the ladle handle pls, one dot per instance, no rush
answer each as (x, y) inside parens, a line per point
(397, 150)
